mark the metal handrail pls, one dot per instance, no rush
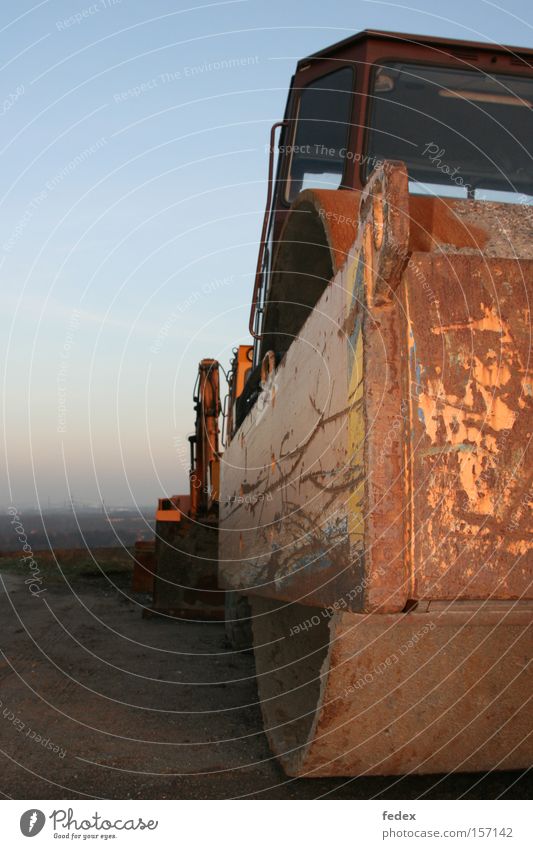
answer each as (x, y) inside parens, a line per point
(266, 221)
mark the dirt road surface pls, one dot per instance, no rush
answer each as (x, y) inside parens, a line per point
(98, 702)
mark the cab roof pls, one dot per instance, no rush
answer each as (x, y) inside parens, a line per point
(524, 53)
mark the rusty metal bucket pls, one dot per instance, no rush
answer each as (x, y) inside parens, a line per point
(447, 690)
(387, 470)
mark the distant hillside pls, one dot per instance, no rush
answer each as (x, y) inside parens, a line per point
(69, 529)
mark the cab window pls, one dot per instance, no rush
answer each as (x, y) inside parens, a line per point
(318, 152)
(460, 131)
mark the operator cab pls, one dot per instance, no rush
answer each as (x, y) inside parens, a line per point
(458, 114)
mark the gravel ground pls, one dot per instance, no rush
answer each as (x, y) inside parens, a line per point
(98, 702)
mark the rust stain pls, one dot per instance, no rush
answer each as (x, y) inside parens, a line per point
(470, 420)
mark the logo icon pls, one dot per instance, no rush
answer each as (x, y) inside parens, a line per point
(32, 822)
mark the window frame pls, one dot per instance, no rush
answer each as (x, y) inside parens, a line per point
(294, 120)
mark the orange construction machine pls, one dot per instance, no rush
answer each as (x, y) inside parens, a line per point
(376, 488)
(186, 553)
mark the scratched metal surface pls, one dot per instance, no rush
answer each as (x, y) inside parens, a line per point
(471, 400)
(397, 693)
(300, 517)
(388, 458)
(291, 472)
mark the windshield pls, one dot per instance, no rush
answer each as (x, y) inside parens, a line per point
(464, 130)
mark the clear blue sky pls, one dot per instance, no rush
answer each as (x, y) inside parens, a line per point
(132, 190)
